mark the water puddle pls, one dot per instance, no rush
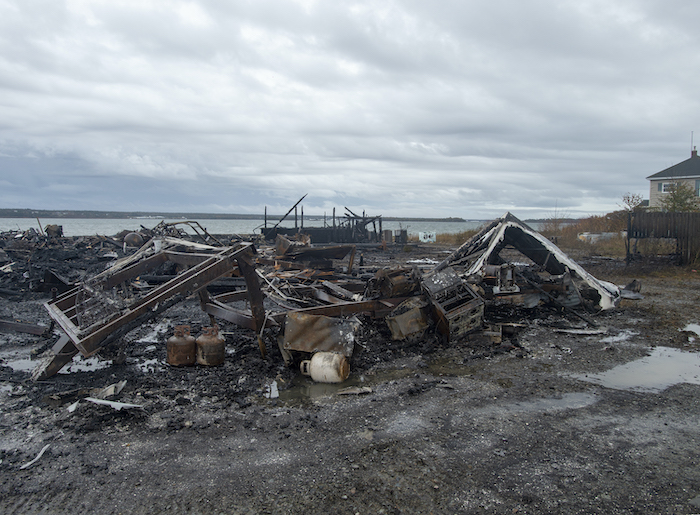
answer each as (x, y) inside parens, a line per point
(81, 364)
(663, 368)
(304, 389)
(623, 336)
(19, 360)
(21, 364)
(150, 365)
(5, 388)
(157, 332)
(549, 405)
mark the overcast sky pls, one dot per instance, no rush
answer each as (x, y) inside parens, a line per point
(407, 107)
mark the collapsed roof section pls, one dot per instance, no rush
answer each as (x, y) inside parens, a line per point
(484, 248)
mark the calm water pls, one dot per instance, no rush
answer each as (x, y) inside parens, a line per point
(109, 227)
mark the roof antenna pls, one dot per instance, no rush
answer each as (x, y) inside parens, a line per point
(691, 142)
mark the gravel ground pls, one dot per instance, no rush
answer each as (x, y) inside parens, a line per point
(466, 427)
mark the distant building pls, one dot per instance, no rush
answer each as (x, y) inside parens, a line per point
(687, 171)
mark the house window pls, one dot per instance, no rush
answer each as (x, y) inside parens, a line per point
(697, 188)
(665, 187)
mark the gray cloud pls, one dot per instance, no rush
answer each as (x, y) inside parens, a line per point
(397, 107)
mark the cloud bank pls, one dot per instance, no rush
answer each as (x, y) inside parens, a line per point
(396, 107)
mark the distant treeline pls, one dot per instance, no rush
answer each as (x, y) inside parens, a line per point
(64, 213)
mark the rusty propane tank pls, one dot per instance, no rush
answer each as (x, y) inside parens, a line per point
(133, 239)
(326, 367)
(211, 347)
(181, 347)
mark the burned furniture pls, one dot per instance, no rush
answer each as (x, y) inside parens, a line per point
(409, 319)
(104, 308)
(458, 309)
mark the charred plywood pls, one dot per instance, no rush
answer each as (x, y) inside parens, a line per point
(393, 283)
(317, 333)
(410, 318)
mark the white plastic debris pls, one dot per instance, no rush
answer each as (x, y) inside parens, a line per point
(116, 405)
(38, 457)
(111, 390)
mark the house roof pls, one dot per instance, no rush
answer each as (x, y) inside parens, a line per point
(688, 169)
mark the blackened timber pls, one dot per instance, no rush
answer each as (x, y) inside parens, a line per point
(376, 308)
(18, 327)
(285, 216)
(60, 354)
(89, 340)
(255, 295)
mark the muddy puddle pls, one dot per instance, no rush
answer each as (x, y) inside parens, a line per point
(20, 360)
(663, 368)
(304, 390)
(574, 400)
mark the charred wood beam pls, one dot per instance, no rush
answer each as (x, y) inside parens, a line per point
(338, 291)
(376, 308)
(60, 354)
(146, 265)
(285, 216)
(190, 281)
(7, 326)
(255, 295)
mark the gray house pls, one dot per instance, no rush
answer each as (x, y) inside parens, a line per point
(687, 171)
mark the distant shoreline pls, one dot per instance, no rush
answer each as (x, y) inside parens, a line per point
(131, 215)
(128, 215)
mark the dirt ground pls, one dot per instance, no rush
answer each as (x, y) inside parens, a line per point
(465, 427)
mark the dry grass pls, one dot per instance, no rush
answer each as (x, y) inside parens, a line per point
(566, 237)
(455, 238)
(449, 238)
(616, 222)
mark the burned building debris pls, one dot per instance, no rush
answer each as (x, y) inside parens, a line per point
(458, 309)
(350, 228)
(307, 299)
(106, 306)
(552, 276)
(501, 418)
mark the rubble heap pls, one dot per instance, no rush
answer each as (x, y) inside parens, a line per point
(300, 298)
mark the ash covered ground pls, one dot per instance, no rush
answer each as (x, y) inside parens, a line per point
(461, 427)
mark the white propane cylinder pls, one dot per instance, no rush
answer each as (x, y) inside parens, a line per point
(326, 367)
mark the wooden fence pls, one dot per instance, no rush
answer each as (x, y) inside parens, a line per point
(683, 227)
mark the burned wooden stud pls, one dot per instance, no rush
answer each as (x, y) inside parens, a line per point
(91, 318)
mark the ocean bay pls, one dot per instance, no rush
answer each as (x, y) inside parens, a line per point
(111, 226)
